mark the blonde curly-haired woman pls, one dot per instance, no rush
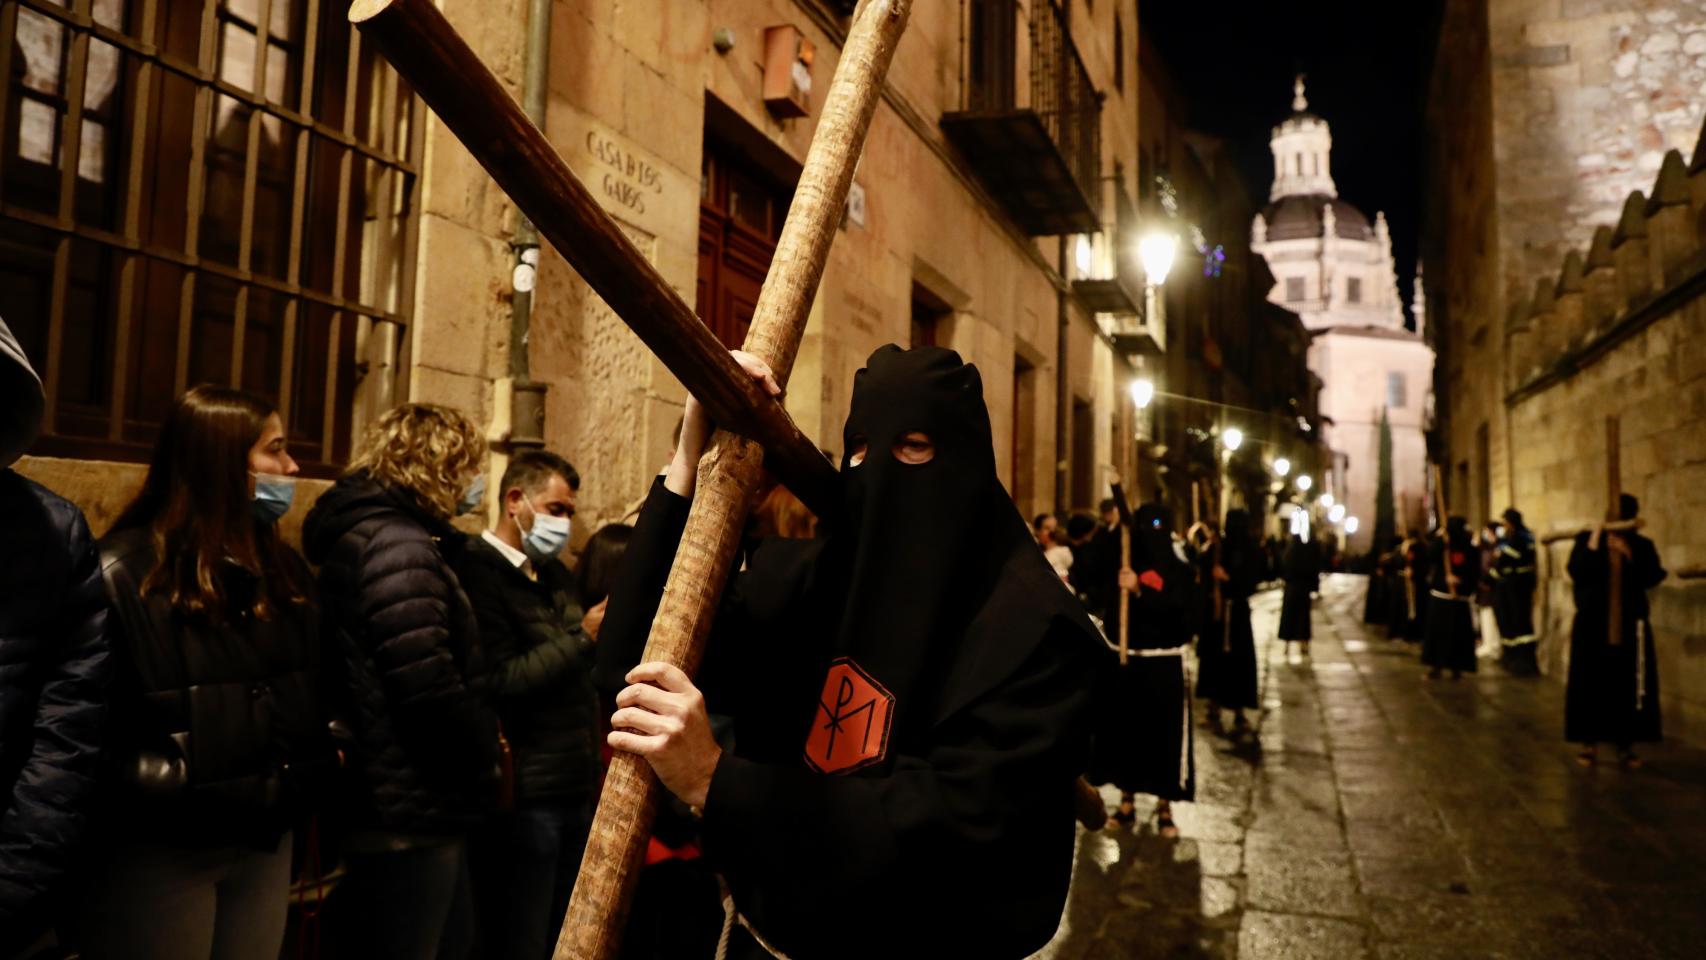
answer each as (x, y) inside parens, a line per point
(424, 747)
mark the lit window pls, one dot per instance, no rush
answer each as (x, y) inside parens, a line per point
(1396, 394)
(1353, 289)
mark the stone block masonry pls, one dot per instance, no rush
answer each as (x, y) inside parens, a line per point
(1634, 362)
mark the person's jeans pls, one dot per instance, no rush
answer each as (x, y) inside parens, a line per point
(149, 901)
(406, 904)
(524, 869)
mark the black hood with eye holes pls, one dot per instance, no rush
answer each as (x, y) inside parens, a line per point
(931, 577)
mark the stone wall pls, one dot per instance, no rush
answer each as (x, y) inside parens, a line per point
(1622, 332)
(1543, 116)
(649, 86)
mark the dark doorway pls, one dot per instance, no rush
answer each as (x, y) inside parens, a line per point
(1083, 455)
(1024, 429)
(741, 209)
(928, 311)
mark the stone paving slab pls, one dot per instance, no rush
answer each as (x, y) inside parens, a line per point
(1379, 815)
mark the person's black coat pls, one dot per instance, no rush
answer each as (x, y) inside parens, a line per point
(54, 665)
(960, 845)
(218, 733)
(1613, 691)
(1302, 572)
(404, 635)
(538, 670)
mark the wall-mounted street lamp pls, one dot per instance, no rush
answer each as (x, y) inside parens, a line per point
(1232, 437)
(1157, 251)
(1142, 393)
(1336, 514)
(1327, 500)
(1304, 483)
(1282, 467)
(1351, 524)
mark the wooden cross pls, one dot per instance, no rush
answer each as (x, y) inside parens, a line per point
(428, 53)
(1444, 529)
(1613, 505)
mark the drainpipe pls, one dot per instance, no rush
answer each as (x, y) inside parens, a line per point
(527, 398)
(1063, 394)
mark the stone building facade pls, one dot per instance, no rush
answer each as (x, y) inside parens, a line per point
(370, 260)
(1564, 285)
(1335, 270)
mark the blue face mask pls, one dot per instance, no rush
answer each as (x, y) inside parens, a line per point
(273, 495)
(546, 538)
(472, 496)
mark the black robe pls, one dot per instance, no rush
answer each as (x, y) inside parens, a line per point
(1302, 579)
(1226, 649)
(1451, 632)
(1513, 577)
(1143, 729)
(1413, 590)
(1613, 694)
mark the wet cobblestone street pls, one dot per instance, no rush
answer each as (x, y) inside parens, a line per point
(1379, 815)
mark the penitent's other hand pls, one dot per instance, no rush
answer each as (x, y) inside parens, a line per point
(593, 618)
(662, 718)
(696, 427)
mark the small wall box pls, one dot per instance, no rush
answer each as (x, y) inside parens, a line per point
(787, 71)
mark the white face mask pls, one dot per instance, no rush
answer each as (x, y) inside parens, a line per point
(545, 537)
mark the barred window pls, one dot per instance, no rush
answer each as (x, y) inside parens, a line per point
(204, 190)
(1293, 289)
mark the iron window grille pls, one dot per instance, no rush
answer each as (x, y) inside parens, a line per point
(205, 191)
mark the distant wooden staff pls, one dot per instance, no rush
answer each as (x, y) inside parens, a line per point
(1613, 513)
(1444, 530)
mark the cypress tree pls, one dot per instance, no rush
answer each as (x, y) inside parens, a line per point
(1385, 514)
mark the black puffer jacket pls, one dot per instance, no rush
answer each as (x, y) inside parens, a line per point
(219, 734)
(426, 743)
(539, 671)
(53, 673)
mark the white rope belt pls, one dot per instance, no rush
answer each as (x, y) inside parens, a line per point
(1161, 652)
(1640, 664)
(1448, 596)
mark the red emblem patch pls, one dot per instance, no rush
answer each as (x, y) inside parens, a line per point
(850, 728)
(1152, 580)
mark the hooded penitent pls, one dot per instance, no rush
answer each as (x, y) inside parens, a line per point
(910, 694)
(21, 399)
(930, 575)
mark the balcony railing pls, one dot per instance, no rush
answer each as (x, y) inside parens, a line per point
(1041, 157)
(1117, 286)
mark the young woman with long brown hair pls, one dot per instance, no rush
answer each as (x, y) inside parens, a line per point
(218, 738)
(426, 744)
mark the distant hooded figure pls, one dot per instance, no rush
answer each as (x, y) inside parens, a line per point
(1613, 694)
(54, 664)
(1143, 739)
(1451, 636)
(1226, 653)
(1302, 571)
(910, 693)
(1514, 580)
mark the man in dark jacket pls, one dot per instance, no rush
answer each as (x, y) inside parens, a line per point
(539, 678)
(53, 670)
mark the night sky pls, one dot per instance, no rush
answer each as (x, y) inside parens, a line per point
(1365, 70)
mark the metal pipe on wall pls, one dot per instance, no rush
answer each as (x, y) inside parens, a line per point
(527, 397)
(1063, 395)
